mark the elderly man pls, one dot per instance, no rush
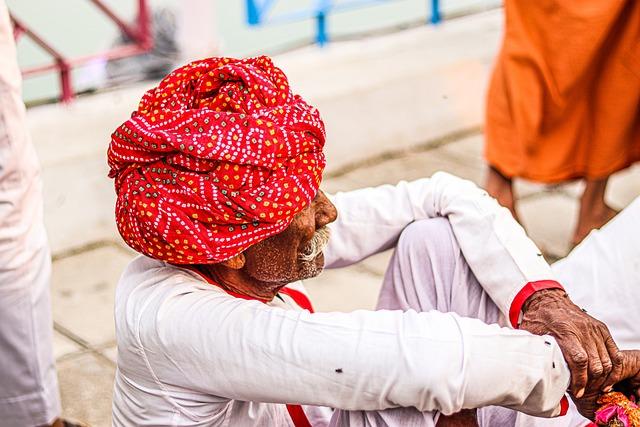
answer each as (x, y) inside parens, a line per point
(217, 177)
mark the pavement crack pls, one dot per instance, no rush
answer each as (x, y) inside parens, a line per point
(87, 247)
(71, 335)
(85, 346)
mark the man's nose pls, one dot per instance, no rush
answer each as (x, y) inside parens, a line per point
(325, 211)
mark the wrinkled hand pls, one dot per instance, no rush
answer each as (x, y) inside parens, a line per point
(630, 373)
(629, 385)
(593, 358)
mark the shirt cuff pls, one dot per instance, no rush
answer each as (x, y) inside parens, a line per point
(524, 294)
(564, 406)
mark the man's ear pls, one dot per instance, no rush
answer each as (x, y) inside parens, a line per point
(235, 263)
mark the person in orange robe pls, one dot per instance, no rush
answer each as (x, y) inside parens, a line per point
(564, 99)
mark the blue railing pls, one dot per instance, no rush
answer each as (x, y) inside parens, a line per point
(259, 13)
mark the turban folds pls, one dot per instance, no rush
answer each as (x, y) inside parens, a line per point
(219, 156)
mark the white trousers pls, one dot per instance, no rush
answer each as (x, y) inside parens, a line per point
(28, 382)
(429, 272)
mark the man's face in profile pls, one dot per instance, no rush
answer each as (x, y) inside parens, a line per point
(296, 253)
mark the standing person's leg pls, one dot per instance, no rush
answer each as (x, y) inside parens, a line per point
(28, 383)
(501, 188)
(594, 212)
(427, 272)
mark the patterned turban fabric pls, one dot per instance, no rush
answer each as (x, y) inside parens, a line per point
(219, 156)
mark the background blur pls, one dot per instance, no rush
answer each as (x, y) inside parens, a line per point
(400, 99)
(76, 28)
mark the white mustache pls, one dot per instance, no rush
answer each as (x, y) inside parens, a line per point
(316, 245)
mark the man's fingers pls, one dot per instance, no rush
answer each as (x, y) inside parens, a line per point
(595, 364)
(578, 362)
(631, 367)
(599, 380)
(616, 375)
(615, 355)
(617, 360)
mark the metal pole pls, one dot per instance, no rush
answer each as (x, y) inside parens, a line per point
(141, 37)
(17, 31)
(321, 35)
(65, 82)
(253, 17)
(131, 33)
(144, 25)
(435, 12)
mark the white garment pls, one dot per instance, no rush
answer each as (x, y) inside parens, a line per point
(28, 383)
(426, 272)
(602, 275)
(191, 355)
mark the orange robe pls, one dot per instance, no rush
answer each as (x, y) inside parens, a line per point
(564, 98)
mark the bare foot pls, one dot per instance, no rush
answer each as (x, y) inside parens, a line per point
(594, 212)
(592, 220)
(59, 422)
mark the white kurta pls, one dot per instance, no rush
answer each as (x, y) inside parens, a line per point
(28, 382)
(192, 355)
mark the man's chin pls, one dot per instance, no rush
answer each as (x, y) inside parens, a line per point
(320, 261)
(313, 268)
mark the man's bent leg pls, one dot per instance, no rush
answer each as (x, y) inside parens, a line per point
(28, 383)
(427, 272)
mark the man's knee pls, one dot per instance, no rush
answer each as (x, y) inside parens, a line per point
(422, 269)
(432, 236)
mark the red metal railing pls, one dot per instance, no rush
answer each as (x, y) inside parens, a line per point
(139, 34)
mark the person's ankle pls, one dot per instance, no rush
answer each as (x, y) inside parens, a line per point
(60, 422)
(594, 219)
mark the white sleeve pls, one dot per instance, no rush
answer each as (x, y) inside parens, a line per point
(495, 246)
(365, 360)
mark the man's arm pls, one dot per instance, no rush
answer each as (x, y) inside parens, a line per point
(364, 360)
(496, 247)
(505, 261)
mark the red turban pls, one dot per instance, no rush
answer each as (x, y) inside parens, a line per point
(218, 157)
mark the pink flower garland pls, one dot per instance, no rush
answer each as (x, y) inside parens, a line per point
(617, 410)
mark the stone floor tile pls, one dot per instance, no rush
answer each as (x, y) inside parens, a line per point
(624, 187)
(523, 188)
(123, 247)
(110, 353)
(462, 167)
(344, 289)
(413, 166)
(83, 289)
(86, 385)
(377, 264)
(572, 188)
(79, 203)
(469, 149)
(341, 183)
(550, 219)
(63, 346)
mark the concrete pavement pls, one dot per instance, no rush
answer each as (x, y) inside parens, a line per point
(401, 106)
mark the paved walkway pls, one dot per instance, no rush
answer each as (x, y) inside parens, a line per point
(399, 107)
